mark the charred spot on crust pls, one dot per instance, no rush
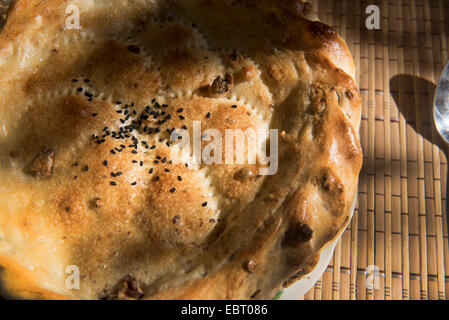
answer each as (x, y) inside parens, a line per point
(319, 29)
(14, 154)
(332, 191)
(133, 49)
(243, 175)
(222, 85)
(349, 94)
(330, 183)
(255, 294)
(128, 288)
(318, 102)
(98, 202)
(251, 266)
(42, 165)
(297, 234)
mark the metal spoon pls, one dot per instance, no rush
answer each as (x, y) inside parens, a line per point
(441, 105)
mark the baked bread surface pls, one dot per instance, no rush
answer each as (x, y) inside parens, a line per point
(165, 230)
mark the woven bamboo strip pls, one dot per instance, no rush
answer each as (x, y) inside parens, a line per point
(434, 215)
(437, 166)
(434, 169)
(403, 144)
(371, 155)
(444, 176)
(387, 137)
(354, 224)
(420, 147)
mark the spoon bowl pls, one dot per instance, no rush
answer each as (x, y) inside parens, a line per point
(441, 105)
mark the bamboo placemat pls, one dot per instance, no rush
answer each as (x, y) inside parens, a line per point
(400, 222)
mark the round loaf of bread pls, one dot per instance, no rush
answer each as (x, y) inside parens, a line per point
(93, 203)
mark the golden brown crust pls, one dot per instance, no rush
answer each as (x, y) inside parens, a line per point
(202, 232)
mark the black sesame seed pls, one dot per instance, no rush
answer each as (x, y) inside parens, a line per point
(234, 106)
(112, 151)
(75, 80)
(134, 161)
(141, 163)
(134, 183)
(208, 115)
(204, 204)
(167, 170)
(172, 190)
(79, 89)
(179, 178)
(86, 80)
(151, 170)
(118, 102)
(164, 160)
(113, 183)
(105, 162)
(182, 117)
(86, 168)
(180, 110)
(76, 164)
(94, 114)
(134, 152)
(158, 178)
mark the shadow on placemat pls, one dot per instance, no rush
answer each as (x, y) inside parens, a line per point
(408, 84)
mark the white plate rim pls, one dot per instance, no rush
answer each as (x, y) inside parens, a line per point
(302, 286)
